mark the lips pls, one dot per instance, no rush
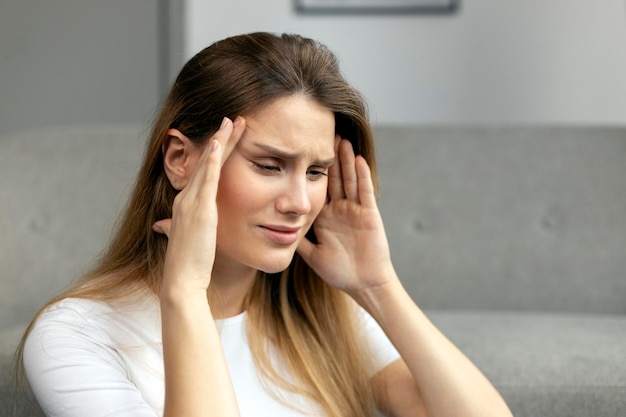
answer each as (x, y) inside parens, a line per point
(284, 235)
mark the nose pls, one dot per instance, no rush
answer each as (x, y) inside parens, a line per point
(294, 197)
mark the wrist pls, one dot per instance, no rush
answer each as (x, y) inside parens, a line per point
(375, 298)
(177, 296)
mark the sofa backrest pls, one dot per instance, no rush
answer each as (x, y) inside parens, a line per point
(60, 192)
(523, 218)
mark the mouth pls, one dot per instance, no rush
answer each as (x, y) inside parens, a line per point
(284, 235)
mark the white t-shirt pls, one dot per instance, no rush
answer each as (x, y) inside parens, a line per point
(91, 358)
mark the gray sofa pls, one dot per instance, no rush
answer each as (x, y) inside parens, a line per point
(513, 239)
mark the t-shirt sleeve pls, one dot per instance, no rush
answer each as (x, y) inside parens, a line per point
(383, 351)
(74, 370)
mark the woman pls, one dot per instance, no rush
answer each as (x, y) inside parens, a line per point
(250, 274)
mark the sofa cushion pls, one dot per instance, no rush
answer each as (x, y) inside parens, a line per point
(15, 400)
(546, 364)
(542, 364)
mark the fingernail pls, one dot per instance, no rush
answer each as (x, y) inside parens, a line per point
(237, 122)
(224, 123)
(214, 145)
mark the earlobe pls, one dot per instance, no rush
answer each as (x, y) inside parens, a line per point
(178, 157)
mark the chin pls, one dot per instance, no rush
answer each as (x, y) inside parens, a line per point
(273, 262)
(274, 267)
(272, 271)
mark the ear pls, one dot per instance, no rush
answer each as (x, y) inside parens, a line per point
(179, 158)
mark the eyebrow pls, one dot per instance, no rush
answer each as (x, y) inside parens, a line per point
(281, 154)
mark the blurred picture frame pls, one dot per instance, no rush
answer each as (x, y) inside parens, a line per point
(376, 6)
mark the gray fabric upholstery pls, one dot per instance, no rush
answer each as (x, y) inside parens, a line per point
(546, 364)
(519, 235)
(524, 218)
(60, 192)
(511, 238)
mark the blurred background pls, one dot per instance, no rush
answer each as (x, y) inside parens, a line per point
(501, 140)
(68, 62)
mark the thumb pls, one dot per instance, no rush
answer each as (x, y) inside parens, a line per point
(306, 249)
(163, 227)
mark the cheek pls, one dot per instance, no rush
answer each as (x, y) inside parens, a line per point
(318, 198)
(240, 192)
(230, 191)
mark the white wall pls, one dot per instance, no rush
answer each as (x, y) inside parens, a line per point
(495, 61)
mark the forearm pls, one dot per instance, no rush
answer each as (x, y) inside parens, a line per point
(197, 381)
(448, 381)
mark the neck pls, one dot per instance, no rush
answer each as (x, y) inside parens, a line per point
(230, 283)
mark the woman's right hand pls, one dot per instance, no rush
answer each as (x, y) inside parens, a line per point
(197, 379)
(192, 229)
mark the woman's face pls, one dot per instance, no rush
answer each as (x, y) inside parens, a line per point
(274, 184)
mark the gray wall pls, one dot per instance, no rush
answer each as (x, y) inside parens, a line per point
(79, 62)
(67, 62)
(494, 62)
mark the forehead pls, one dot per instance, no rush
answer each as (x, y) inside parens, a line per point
(295, 124)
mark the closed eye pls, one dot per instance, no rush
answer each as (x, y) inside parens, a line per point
(273, 169)
(316, 174)
(266, 168)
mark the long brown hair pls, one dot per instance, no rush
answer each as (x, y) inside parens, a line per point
(311, 324)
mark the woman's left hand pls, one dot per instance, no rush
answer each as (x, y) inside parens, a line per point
(433, 378)
(352, 252)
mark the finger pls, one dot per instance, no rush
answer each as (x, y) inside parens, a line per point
(367, 195)
(305, 249)
(222, 135)
(212, 168)
(335, 184)
(239, 126)
(227, 136)
(198, 177)
(163, 226)
(348, 173)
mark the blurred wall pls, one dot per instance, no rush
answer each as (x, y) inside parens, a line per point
(494, 61)
(68, 62)
(78, 62)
